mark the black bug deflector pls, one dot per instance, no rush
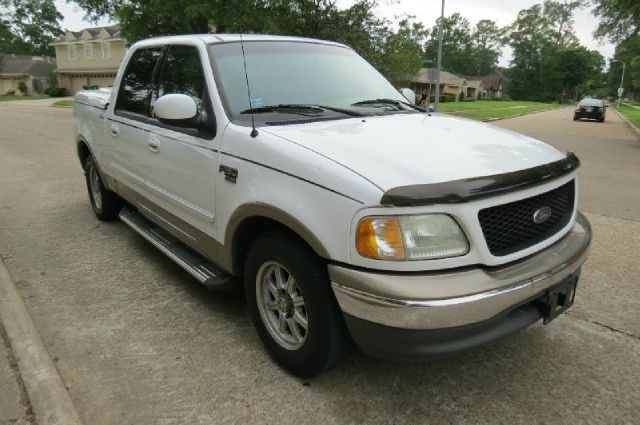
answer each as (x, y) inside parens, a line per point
(478, 187)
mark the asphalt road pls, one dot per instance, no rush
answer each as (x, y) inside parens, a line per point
(137, 341)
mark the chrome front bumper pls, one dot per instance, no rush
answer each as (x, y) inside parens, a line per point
(439, 300)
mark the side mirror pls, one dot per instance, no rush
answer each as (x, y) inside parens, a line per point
(176, 109)
(408, 94)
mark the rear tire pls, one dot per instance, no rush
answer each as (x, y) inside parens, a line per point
(575, 118)
(106, 204)
(292, 305)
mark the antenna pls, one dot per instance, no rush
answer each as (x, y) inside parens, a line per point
(254, 131)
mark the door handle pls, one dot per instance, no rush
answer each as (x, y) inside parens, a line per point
(154, 145)
(115, 130)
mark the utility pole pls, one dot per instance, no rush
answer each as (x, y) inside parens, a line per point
(439, 57)
(621, 88)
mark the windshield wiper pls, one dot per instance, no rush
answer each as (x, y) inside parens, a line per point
(384, 101)
(299, 109)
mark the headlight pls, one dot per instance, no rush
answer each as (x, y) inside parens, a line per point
(411, 237)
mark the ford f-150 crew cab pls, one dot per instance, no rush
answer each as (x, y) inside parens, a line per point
(349, 214)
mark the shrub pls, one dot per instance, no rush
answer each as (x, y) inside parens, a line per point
(52, 81)
(443, 98)
(22, 86)
(57, 91)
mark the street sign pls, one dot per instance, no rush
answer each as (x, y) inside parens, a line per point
(620, 91)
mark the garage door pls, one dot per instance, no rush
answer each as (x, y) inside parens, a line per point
(102, 81)
(77, 83)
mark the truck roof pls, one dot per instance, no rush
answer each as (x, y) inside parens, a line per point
(226, 38)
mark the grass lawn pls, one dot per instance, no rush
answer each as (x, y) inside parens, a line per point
(4, 97)
(483, 110)
(68, 103)
(630, 113)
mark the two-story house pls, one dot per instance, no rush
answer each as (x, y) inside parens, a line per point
(89, 58)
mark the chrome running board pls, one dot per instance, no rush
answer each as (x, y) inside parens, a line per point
(195, 264)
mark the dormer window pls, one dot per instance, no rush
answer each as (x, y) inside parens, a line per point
(106, 50)
(72, 52)
(88, 51)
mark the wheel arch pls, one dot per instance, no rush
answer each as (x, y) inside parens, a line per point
(249, 220)
(83, 150)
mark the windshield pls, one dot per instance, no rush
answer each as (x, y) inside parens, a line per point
(297, 73)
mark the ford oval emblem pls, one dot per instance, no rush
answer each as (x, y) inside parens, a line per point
(541, 215)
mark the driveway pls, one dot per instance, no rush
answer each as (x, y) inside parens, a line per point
(137, 341)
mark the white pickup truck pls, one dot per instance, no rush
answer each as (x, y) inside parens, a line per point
(350, 215)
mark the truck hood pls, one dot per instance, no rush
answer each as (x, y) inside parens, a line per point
(400, 150)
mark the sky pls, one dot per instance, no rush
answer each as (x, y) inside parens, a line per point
(426, 11)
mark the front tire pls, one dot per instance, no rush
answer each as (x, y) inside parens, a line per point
(106, 204)
(292, 305)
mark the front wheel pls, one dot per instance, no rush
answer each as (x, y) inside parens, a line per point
(293, 307)
(106, 204)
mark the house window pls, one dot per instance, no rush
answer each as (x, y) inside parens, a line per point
(88, 51)
(106, 50)
(72, 52)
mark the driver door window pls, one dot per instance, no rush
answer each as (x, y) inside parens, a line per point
(182, 73)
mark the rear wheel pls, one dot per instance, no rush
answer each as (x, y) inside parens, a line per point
(106, 204)
(575, 118)
(293, 307)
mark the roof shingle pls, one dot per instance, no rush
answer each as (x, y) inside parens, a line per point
(37, 66)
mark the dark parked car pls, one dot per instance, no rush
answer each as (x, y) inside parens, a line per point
(594, 109)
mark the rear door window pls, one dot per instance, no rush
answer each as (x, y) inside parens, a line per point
(136, 87)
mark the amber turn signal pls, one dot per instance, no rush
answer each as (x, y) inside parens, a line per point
(380, 238)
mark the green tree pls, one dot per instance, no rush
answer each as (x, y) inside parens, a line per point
(487, 44)
(400, 54)
(456, 44)
(626, 52)
(28, 26)
(395, 52)
(566, 68)
(634, 73)
(466, 51)
(619, 19)
(543, 38)
(559, 18)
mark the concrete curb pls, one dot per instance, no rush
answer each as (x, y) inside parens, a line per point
(48, 395)
(629, 123)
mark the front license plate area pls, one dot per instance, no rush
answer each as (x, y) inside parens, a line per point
(558, 299)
